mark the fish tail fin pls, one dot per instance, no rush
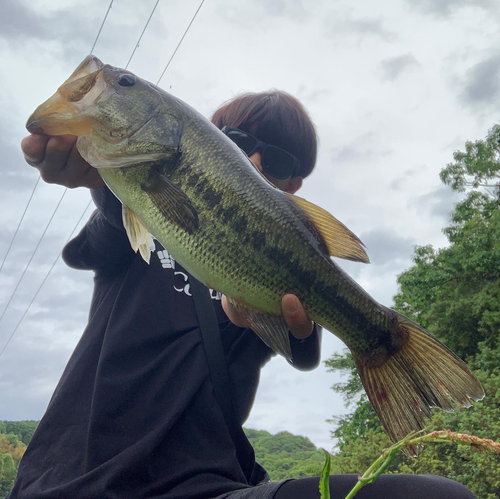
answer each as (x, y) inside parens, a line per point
(420, 374)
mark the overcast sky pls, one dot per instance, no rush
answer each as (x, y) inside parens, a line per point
(394, 87)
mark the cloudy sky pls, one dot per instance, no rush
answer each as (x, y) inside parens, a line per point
(394, 87)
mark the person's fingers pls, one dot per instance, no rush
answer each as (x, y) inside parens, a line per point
(33, 148)
(55, 168)
(92, 179)
(59, 161)
(78, 173)
(296, 318)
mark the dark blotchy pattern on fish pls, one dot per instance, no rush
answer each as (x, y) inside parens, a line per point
(198, 194)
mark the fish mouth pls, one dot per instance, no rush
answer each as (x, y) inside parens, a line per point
(62, 114)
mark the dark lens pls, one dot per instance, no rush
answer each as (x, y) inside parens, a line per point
(277, 162)
(242, 140)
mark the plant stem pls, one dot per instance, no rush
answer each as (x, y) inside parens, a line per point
(413, 439)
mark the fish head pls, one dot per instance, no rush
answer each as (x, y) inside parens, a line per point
(63, 113)
(119, 118)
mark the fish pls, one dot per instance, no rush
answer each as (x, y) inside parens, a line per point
(181, 180)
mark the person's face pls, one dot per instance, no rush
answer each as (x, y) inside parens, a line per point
(291, 184)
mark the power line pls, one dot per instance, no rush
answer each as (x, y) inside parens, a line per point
(19, 224)
(100, 29)
(140, 38)
(179, 44)
(38, 180)
(33, 254)
(64, 193)
(131, 56)
(43, 282)
(53, 214)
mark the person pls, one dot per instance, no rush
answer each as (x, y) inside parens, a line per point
(134, 414)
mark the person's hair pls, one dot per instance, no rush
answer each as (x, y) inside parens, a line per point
(276, 118)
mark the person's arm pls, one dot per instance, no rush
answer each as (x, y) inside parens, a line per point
(306, 353)
(103, 244)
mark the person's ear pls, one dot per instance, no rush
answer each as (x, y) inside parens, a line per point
(294, 185)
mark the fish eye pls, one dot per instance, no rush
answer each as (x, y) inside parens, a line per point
(126, 80)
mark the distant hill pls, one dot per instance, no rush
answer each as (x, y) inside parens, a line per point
(23, 429)
(285, 455)
(14, 437)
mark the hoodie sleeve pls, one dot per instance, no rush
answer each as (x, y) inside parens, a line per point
(102, 245)
(306, 353)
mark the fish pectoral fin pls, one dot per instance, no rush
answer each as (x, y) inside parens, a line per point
(171, 201)
(340, 241)
(140, 239)
(271, 329)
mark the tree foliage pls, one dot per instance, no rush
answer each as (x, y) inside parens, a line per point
(11, 451)
(455, 293)
(477, 166)
(8, 471)
(285, 455)
(14, 438)
(23, 429)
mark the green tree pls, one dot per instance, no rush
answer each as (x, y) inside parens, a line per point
(285, 455)
(455, 293)
(12, 448)
(477, 166)
(8, 473)
(23, 429)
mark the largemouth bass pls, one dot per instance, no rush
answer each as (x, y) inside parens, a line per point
(183, 181)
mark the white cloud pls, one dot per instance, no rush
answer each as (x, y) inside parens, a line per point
(382, 145)
(393, 67)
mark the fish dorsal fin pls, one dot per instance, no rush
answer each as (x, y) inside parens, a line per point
(171, 201)
(140, 239)
(271, 329)
(340, 241)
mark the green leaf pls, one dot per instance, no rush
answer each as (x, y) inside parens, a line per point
(324, 483)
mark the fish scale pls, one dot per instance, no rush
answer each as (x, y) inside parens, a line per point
(243, 268)
(182, 180)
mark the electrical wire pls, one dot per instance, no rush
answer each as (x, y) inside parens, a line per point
(43, 282)
(179, 44)
(32, 255)
(140, 38)
(58, 204)
(100, 29)
(19, 224)
(39, 242)
(38, 180)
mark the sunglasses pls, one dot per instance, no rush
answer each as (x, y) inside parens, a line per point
(275, 161)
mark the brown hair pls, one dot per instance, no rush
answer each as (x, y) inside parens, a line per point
(276, 118)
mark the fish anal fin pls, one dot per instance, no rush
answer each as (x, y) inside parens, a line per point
(340, 241)
(139, 237)
(171, 201)
(422, 373)
(271, 329)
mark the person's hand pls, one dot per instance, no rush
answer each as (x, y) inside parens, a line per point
(59, 161)
(295, 316)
